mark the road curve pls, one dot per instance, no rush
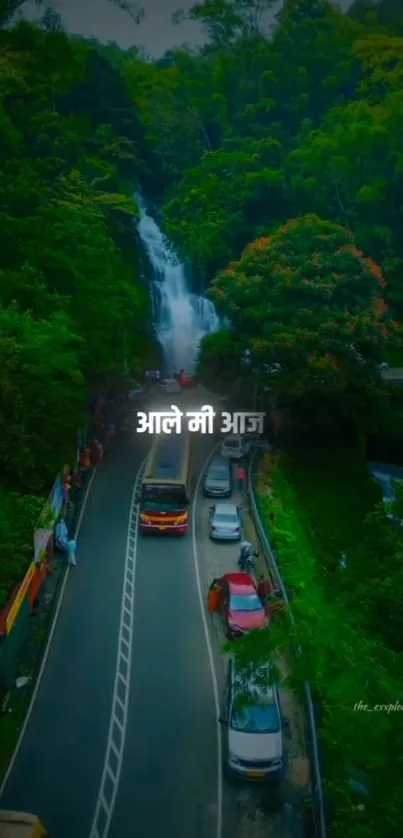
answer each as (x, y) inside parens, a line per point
(165, 779)
(58, 767)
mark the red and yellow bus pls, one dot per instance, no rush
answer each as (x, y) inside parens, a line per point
(21, 825)
(165, 490)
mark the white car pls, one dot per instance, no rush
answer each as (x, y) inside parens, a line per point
(254, 727)
(235, 447)
(225, 522)
(170, 386)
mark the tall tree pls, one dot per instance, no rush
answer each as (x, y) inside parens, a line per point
(310, 308)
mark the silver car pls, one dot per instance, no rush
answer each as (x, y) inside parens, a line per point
(218, 479)
(225, 522)
(254, 727)
(235, 446)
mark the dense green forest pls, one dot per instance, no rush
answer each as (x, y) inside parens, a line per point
(274, 157)
(72, 307)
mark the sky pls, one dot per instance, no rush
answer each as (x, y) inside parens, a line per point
(104, 21)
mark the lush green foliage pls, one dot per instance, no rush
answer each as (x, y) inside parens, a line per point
(305, 300)
(355, 612)
(71, 309)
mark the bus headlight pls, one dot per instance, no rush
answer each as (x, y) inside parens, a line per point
(144, 518)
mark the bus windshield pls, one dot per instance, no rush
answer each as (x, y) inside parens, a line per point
(155, 496)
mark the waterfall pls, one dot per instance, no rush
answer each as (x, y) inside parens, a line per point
(181, 319)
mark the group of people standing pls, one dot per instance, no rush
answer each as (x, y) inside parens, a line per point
(101, 432)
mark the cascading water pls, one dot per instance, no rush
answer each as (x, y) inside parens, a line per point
(181, 319)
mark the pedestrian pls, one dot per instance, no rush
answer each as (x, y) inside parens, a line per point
(66, 486)
(100, 449)
(97, 453)
(78, 478)
(241, 478)
(275, 601)
(110, 433)
(85, 459)
(214, 597)
(264, 587)
(94, 453)
(63, 542)
(84, 464)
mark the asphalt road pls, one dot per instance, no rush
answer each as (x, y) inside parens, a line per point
(168, 784)
(168, 779)
(58, 768)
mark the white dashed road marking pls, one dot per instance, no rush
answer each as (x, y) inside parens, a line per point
(120, 701)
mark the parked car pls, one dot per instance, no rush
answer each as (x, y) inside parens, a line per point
(186, 381)
(240, 605)
(225, 522)
(218, 479)
(253, 725)
(170, 386)
(235, 446)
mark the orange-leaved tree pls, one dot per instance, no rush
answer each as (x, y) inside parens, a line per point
(309, 308)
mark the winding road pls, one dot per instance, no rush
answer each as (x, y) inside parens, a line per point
(123, 736)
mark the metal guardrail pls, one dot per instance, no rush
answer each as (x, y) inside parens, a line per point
(316, 784)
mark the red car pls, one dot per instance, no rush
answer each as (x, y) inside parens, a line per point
(241, 607)
(186, 381)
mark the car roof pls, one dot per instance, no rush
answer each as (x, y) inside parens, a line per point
(226, 508)
(237, 437)
(239, 582)
(219, 461)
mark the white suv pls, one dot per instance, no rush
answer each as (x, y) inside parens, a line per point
(235, 447)
(254, 741)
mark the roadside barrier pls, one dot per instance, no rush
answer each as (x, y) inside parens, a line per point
(262, 529)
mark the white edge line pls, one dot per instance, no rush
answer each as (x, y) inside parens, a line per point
(209, 646)
(109, 743)
(47, 648)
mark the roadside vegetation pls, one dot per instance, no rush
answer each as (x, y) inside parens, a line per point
(72, 309)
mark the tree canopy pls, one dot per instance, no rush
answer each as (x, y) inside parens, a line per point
(309, 307)
(71, 305)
